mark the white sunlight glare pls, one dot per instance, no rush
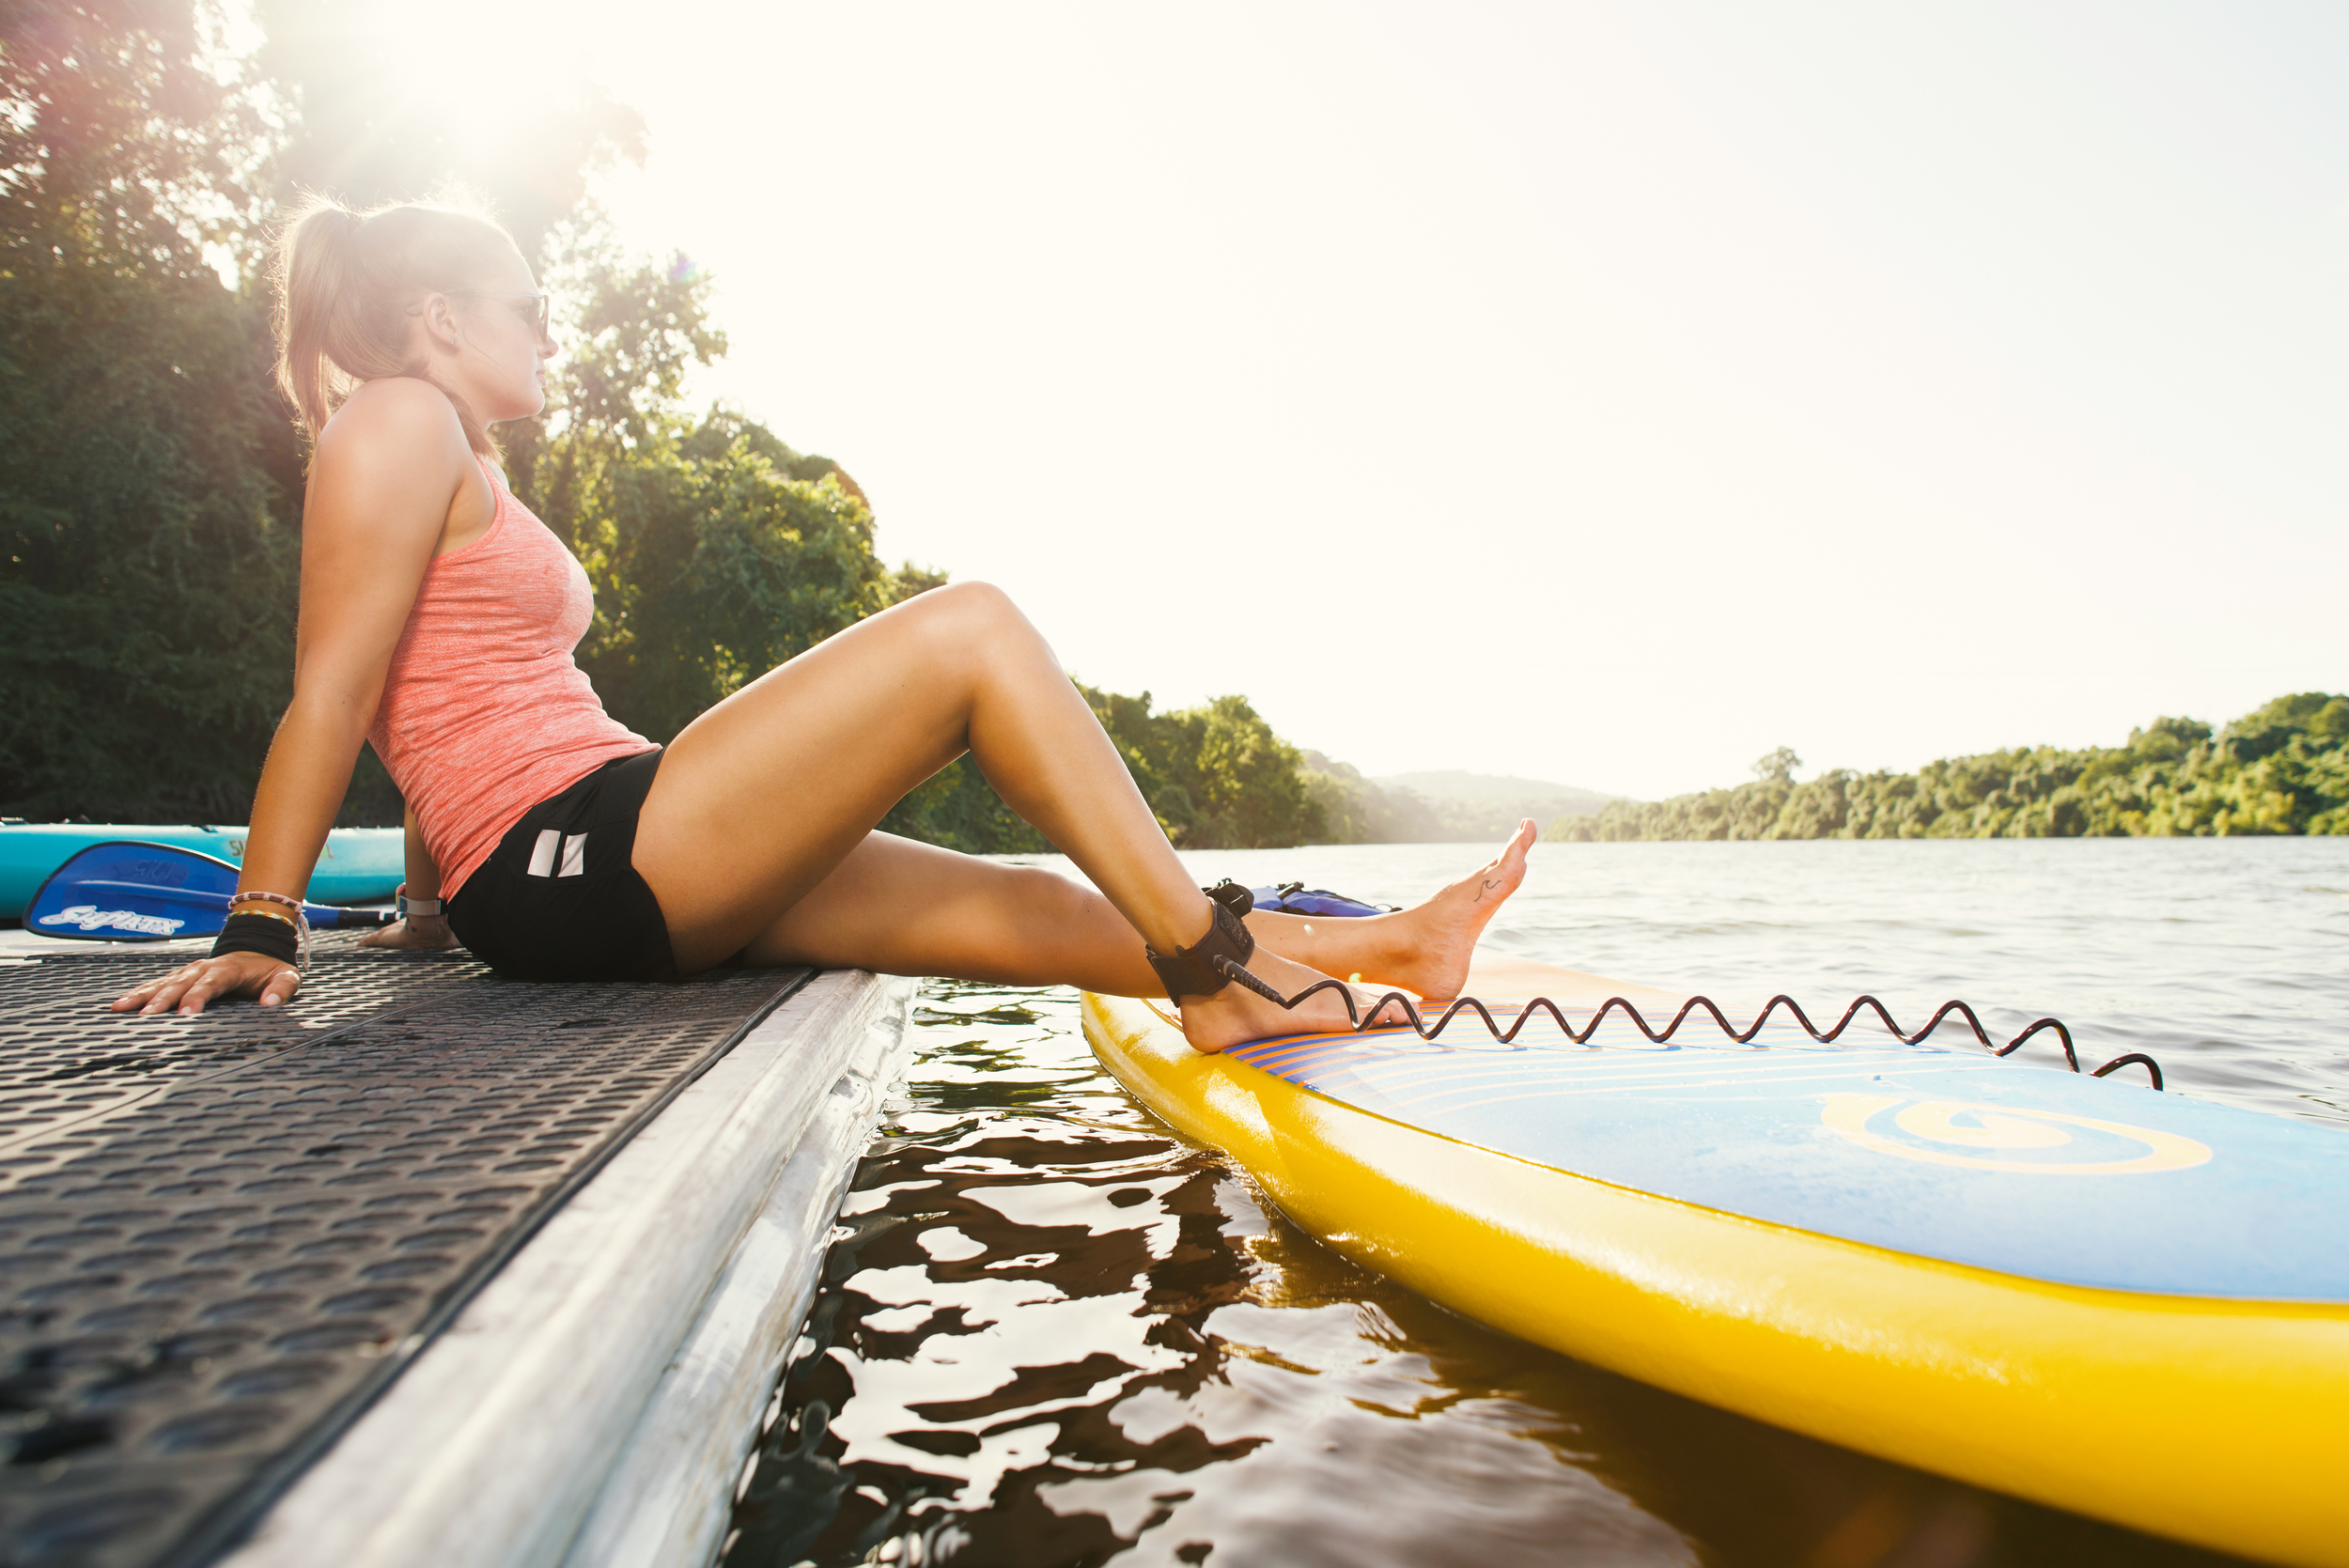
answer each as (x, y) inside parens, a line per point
(486, 71)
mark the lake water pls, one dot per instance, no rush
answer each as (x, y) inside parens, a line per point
(1054, 1333)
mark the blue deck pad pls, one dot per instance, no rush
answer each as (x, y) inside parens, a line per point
(1954, 1154)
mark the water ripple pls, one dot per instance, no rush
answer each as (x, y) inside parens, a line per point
(1052, 1332)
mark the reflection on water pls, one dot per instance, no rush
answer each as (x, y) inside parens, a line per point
(1054, 1333)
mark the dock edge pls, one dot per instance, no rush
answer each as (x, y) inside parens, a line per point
(591, 1407)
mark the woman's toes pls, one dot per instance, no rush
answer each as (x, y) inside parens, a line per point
(1447, 926)
(1510, 862)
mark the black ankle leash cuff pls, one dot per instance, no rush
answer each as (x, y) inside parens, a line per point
(1207, 965)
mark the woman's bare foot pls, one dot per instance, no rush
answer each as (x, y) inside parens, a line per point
(1435, 940)
(1425, 951)
(1236, 1015)
(423, 933)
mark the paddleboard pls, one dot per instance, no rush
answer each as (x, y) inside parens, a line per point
(359, 865)
(2082, 1291)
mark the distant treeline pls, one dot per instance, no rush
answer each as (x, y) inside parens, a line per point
(2281, 768)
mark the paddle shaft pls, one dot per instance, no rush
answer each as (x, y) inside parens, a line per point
(323, 916)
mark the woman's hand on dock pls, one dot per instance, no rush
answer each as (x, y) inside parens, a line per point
(189, 987)
(419, 933)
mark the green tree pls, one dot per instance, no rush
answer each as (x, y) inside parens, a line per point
(1216, 776)
(147, 474)
(958, 808)
(716, 551)
(717, 566)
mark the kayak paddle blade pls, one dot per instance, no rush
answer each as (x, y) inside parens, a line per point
(128, 892)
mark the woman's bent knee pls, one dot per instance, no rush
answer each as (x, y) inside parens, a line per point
(971, 610)
(963, 623)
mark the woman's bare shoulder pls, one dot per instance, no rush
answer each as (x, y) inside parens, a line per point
(389, 464)
(402, 420)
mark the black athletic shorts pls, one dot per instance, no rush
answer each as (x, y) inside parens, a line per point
(557, 898)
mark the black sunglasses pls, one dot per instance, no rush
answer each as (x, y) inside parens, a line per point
(537, 317)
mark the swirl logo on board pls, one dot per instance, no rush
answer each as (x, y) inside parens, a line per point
(2007, 1138)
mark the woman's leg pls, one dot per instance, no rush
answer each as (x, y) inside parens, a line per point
(904, 907)
(761, 798)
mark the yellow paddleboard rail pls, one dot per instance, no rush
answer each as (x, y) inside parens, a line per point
(2219, 1422)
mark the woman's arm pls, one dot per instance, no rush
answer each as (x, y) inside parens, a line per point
(383, 480)
(423, 885)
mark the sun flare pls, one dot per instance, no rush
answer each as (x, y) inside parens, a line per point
(489, 76)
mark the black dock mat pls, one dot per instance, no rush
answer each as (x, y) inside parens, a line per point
(222, 1237)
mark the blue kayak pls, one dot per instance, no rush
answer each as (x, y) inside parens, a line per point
(361, 865)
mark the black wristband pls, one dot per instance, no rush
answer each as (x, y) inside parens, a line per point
(262, 934)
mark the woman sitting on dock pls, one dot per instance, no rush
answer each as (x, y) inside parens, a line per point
(438, 621)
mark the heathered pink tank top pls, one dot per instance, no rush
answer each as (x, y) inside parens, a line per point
(484, 715)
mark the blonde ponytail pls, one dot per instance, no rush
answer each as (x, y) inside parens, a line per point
(345, 283)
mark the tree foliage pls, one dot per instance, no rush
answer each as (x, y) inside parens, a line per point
(1216, 777)
(150, 485)
(717, 562)
(716, 551)
(2281, 768)
(146, 472)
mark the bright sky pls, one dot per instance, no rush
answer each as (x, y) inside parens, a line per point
(1604, 393)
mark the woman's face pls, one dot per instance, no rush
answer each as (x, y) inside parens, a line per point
(498, 358)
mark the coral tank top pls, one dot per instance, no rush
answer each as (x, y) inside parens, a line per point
(484, 714)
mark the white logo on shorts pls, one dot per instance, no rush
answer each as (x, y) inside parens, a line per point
(572, 848)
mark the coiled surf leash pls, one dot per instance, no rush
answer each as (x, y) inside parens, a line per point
(1223, 952)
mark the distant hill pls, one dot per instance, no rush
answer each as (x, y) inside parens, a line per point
(1437, 807)
(1535, 798)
